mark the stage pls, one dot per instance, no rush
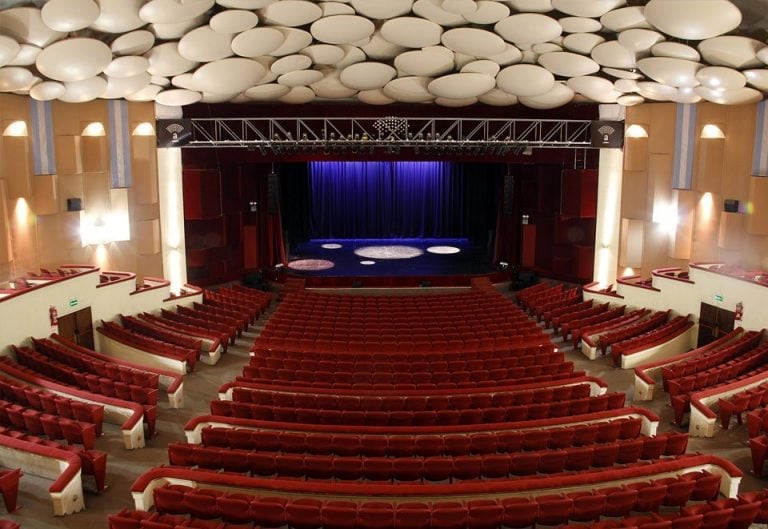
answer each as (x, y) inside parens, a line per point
(388, 258)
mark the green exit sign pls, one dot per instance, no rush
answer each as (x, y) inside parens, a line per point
(73, 302)
(719, 297)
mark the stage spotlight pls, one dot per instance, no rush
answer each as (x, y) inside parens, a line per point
(443, 250)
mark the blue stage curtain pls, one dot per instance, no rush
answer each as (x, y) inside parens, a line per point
(386, 199)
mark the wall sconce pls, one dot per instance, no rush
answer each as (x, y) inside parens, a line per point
(636, 131)
(712, 131)
(144, 129)
(16, 128)
(94, 129)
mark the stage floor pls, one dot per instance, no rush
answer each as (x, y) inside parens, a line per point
(387, 257)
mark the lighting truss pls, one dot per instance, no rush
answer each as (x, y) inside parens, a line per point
(286, 135)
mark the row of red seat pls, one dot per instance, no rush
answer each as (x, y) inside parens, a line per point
(68, 353)
(529, 295)
(743, 401)
(332, 328)
(9, 488)
(683, 373)
(731, 373)
(140, 326)
(242, 320)
(93, 462)
(130, 415)
(234, 325)
(190, 330)
(150, 345)
(348, 383)
(587, 318)
(406, 418)
(450, 300)
(631, 330)
(244, 294)
(428, 444)
(55, 427)
(459, 400)
(401, 344)
(752, 359)
(88, 381)
(544, 306)
(454, 362)
(429, 468)
(132, 519)
(18, 392)
(520, 353)
(585, 333)
(275, 510)
(497, 375)
(657, 336)
(227, 333)
(554, 317)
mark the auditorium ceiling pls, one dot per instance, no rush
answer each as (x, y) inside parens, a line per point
(539, 54)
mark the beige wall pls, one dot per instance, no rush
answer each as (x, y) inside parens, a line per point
(721, 169)
(40, 230)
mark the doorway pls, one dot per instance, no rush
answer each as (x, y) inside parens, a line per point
(78, 327)
(713, 323)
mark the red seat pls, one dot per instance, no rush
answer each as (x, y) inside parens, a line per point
(554, 509)
(449, 515)
(9, 487)
(484, 514)
(170, 499)
(376, 515)
(339, 515)
(202, 503)
(519, 512)
(587, 506)
(304, 513)
(412, 516)
(236, 508)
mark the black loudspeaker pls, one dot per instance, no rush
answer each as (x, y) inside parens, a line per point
(608, 134)
(273, 194)
(731, 205)
(509, 193)
(74, 204)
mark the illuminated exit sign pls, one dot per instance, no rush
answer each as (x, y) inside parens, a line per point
(719, 297)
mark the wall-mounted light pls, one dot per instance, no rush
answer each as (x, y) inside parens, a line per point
(712, 131)
(144, 129)
(636, 131)
(628, 272)
(16, 128)
(94, 129)
(665, 214)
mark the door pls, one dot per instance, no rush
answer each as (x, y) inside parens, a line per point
(78, 327)
(713, 323)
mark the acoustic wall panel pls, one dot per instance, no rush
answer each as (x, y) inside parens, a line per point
(17, 166)
(93, 150)
(757, 218)
(45, 199)
(148, 237)
(6, 254)
(731, 234)
(636, 154)
(682, 238)
(143, 153)
(708, 174)
(68, 158)
(661, 136)
(632, 241)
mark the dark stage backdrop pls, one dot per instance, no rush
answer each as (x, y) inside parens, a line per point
(434, 199)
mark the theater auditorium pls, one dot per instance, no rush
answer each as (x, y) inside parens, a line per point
(383, 264)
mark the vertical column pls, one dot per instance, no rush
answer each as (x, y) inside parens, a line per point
(171, 198)
(608, 216)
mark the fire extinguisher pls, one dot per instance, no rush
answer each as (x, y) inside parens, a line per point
(54, 315)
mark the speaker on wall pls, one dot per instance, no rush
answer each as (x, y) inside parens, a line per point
(273, 193)
(74, 204)
(731, 205)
